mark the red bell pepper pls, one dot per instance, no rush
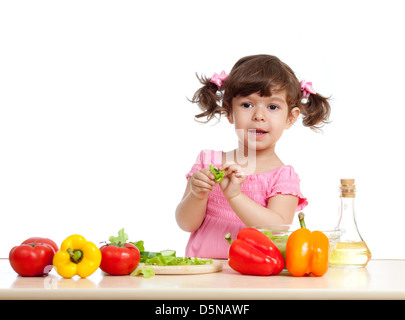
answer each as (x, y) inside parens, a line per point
(254, 253)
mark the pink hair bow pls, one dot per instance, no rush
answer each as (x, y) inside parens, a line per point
(307, 89)
(219, 79)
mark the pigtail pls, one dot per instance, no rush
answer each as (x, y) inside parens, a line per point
(208, 98)
(315, 111)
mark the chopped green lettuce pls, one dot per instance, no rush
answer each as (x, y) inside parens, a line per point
(279, 241)
(141, 269)
(120, 240)
(139, 245)
(162, 258)
(219, 175)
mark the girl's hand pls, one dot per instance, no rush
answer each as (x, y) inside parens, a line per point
(202, 183)
(230, 186)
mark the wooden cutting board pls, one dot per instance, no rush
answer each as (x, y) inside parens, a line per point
(216, 266)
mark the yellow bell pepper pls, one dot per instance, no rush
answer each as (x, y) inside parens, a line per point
(77, 256)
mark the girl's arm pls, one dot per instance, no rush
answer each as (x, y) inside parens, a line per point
(190, 212)
(280, 208)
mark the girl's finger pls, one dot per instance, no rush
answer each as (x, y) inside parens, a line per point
(203, 181)
(203, 185)
(203, 175)
(208, 173)
(234, 169)
(225, 166)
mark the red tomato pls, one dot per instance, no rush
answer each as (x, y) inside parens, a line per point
(39, 240)
(30, 260)
(119, 261)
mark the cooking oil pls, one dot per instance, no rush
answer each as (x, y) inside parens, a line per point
(351, 250)
(350, 254)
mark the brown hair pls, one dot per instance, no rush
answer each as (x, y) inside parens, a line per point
(260, 74)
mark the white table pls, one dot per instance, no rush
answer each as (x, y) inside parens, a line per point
(381, 279)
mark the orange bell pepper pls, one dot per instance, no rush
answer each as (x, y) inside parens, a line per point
(307, 252)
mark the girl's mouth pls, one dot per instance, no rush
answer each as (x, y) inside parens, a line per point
(257, 133)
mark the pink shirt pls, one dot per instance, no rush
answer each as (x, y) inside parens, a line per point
(209, 240)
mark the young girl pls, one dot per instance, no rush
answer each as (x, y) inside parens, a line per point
(261, 97)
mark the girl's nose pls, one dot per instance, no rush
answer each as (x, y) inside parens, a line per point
(258, 115)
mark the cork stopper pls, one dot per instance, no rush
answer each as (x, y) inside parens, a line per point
(348, 188)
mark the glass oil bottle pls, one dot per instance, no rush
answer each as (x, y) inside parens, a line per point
(351, 250)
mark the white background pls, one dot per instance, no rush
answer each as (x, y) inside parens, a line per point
(96, 133)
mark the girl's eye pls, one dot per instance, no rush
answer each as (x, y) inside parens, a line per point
(246, 105)
(272, 107)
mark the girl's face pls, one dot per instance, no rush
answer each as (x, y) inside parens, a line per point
(260, 121)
